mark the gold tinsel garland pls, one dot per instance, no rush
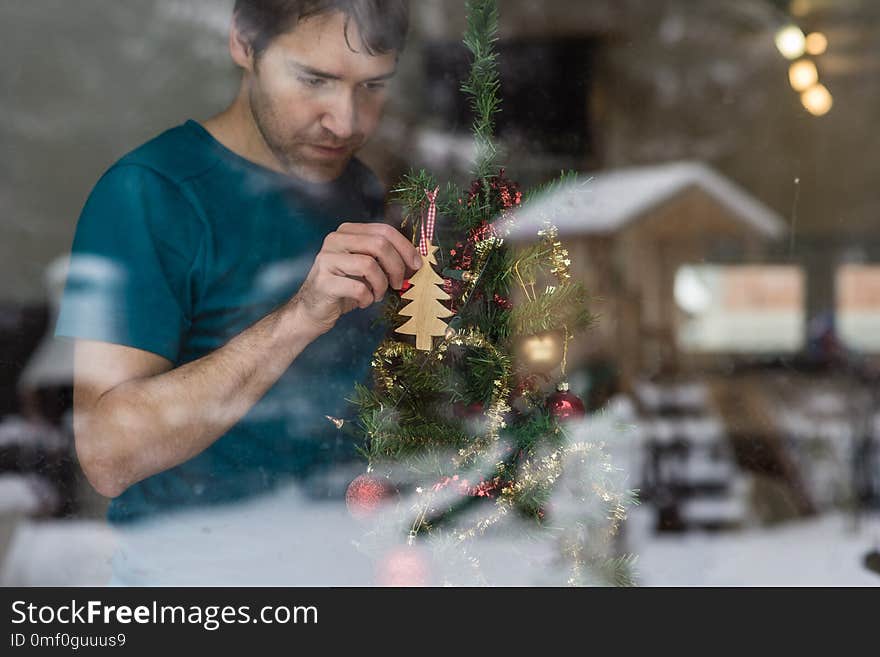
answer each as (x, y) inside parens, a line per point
(390, 350)
(560, 262)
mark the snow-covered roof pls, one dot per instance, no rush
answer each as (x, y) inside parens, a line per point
(607, 202)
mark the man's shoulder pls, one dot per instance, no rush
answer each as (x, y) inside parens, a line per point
(178, 154)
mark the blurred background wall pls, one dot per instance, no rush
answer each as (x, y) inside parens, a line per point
(616, 82)
(728, 337)
(84, 83)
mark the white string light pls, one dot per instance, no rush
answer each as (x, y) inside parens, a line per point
(803, 74)
(817, 100)
(816, 44)
(791, 42)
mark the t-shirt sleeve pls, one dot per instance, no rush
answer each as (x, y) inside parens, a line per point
(133, 265)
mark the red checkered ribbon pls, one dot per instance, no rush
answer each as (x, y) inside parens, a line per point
(428, 224)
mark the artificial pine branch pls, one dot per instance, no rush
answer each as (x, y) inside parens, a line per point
(416, 439)
(564, 181)
(618, 571)
(526, 265)
(410, 195)
(484, 84)
(566, 306)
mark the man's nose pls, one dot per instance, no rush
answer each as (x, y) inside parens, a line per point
(340, 116)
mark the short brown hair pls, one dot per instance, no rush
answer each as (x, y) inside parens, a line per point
(383, 24)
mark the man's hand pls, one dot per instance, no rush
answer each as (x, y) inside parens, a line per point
(355, 267)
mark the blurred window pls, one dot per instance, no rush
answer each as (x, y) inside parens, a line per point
(740, 309)
(858, 307)
(549, 79)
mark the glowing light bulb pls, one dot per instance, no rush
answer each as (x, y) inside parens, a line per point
(542, 353)
(816, 43)
(817, 100)
(791, 42)
(803, 75)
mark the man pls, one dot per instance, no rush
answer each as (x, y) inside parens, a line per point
(221, 274)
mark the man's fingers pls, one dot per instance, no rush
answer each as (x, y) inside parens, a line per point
(374, 246)
(349, 289)
(359, 267)
(407, 251)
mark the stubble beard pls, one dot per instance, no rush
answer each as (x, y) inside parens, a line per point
(287, 154)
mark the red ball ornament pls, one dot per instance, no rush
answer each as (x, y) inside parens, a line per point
(468, 411)
(565, 406)
(366, 494)
(404, 566)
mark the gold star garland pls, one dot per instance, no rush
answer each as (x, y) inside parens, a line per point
(483, 250)
(560, 262)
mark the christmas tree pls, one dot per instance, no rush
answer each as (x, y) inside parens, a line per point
(472, 429)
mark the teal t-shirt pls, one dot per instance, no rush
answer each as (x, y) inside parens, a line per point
(181, 246)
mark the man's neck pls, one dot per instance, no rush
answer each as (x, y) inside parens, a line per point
(236, 129)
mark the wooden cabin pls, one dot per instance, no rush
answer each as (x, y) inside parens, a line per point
(629, 231)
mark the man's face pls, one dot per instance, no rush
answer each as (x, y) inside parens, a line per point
(314, 100)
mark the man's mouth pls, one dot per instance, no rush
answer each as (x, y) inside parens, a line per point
(330, 151)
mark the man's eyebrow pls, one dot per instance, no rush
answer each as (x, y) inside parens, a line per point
(382, 78)
(308, 70)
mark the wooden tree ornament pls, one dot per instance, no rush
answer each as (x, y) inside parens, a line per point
(426, 310)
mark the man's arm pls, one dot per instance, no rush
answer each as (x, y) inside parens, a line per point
(135, 416)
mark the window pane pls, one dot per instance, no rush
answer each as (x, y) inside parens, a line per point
(858, 306)
(740, 309)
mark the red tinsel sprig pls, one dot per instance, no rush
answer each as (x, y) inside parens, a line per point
(463, 486)
(504, 194)
(503, 302)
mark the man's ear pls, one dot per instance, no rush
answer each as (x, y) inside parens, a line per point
(240, 48)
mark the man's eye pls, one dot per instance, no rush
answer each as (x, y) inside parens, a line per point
(374, 86)
(313, 82)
